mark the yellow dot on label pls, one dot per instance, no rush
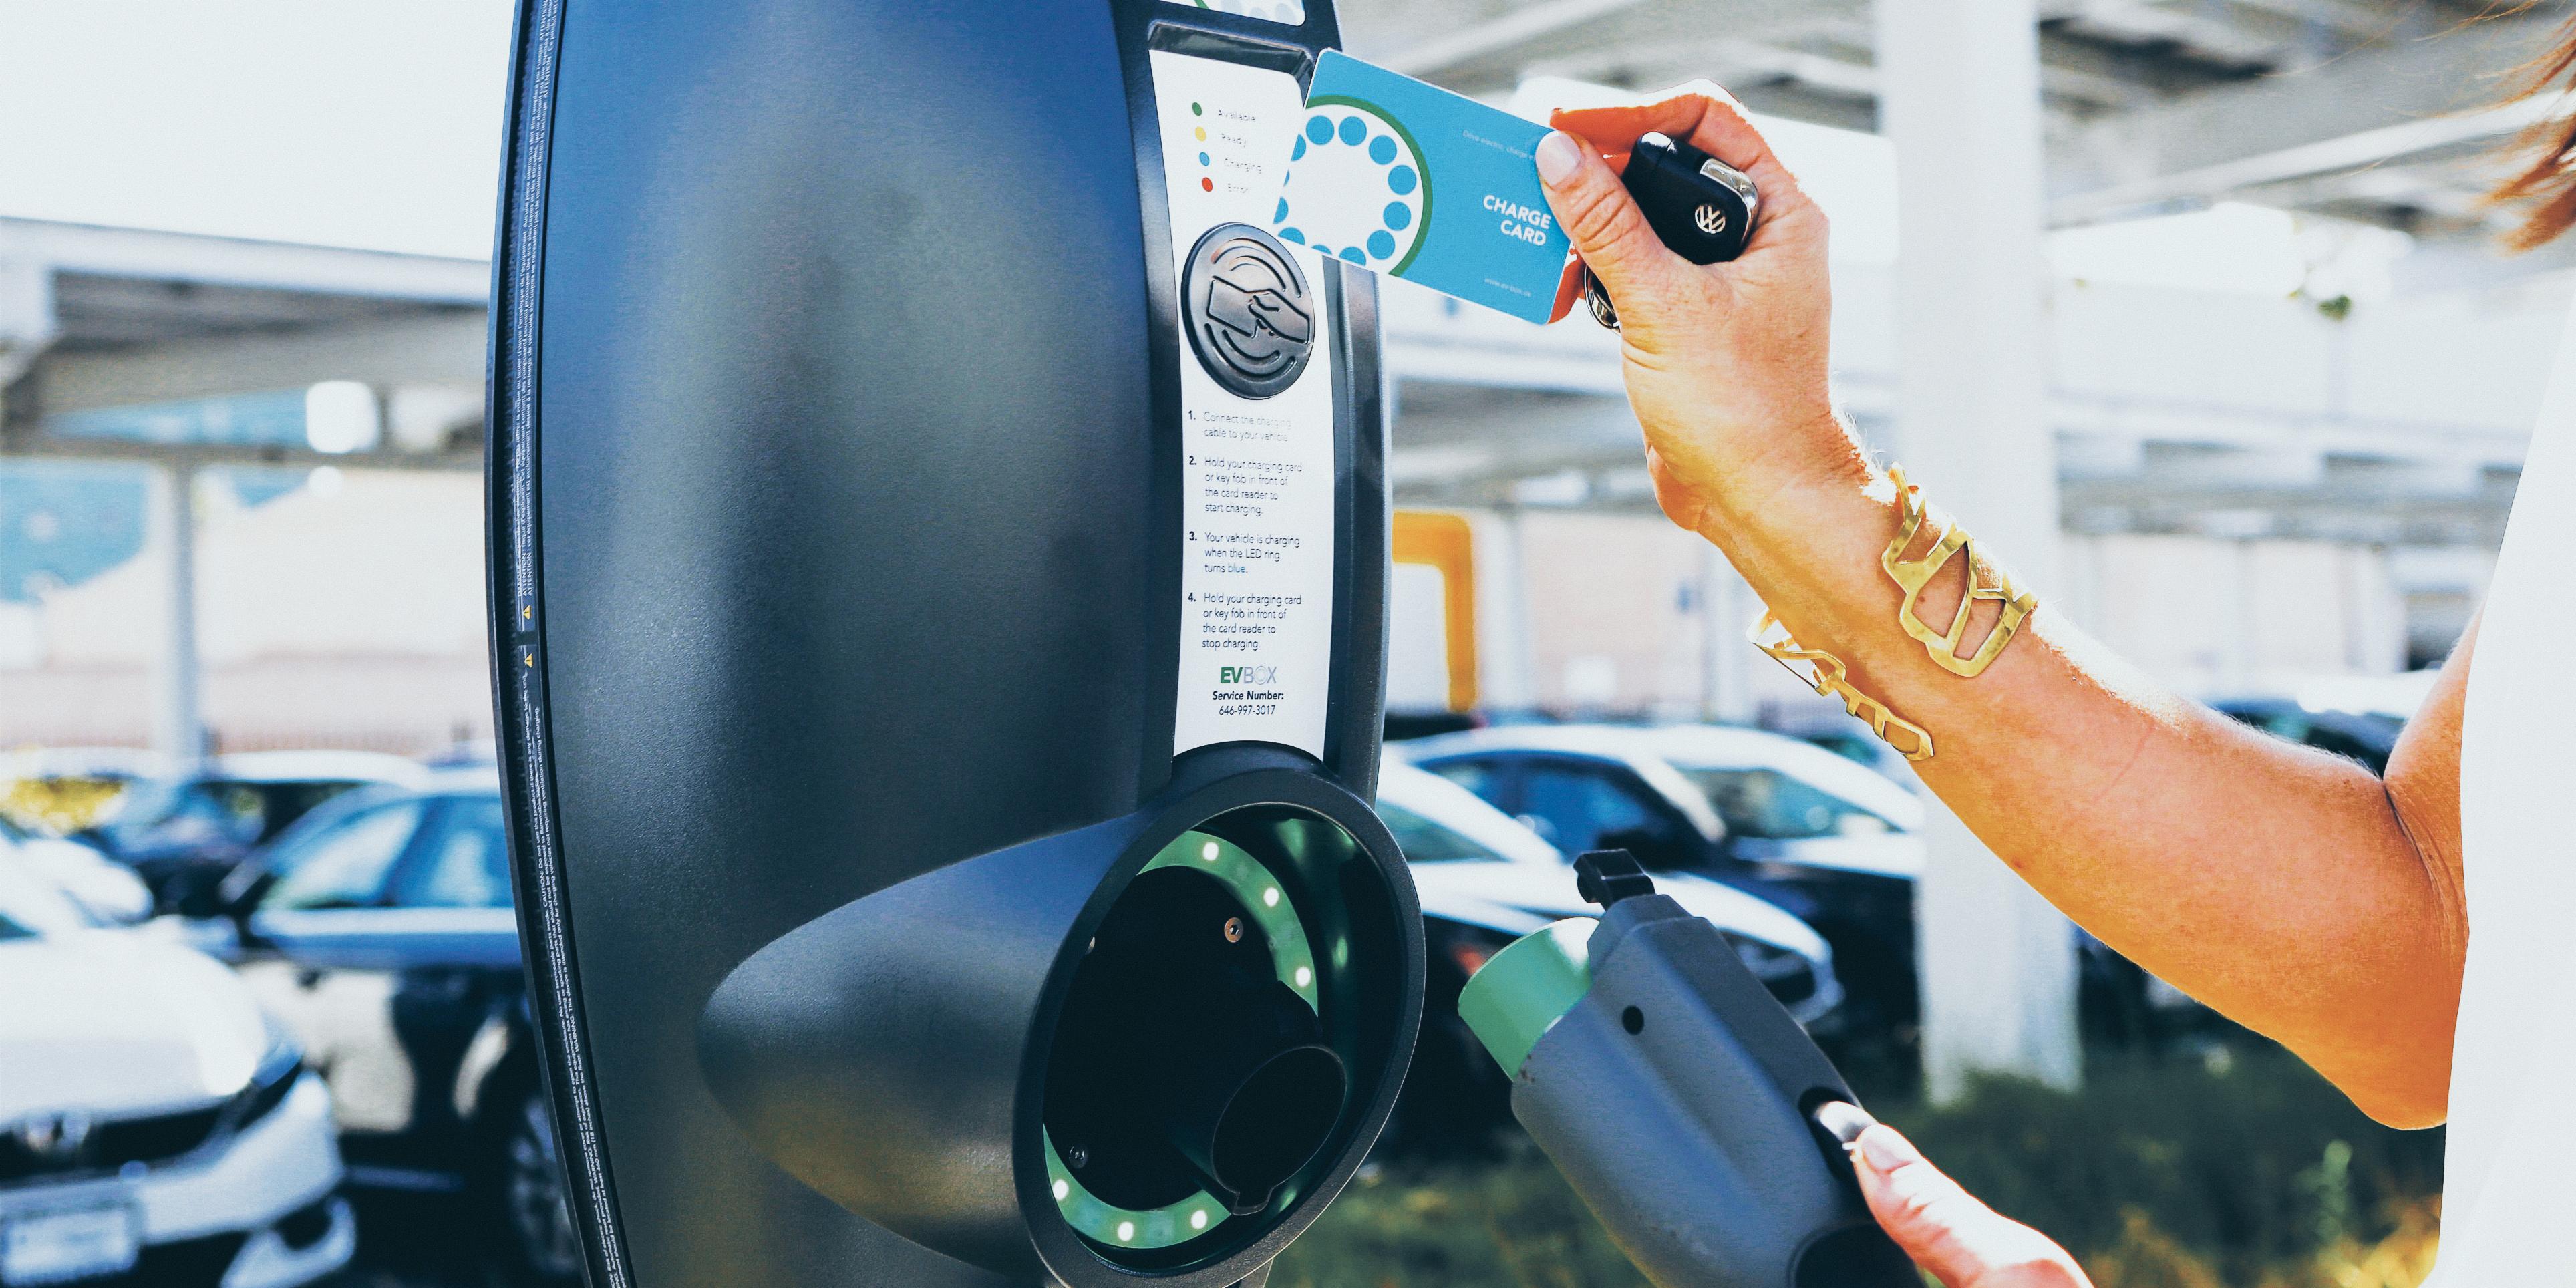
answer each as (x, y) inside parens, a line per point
(1270, 897)
(1198, 1219)
(1126, 1231)
(1305, 976)
(1202, 134)
(1062, 1191)
(1208, 852)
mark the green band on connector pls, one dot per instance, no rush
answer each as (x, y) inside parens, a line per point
(1522, 991)
(1269, 907)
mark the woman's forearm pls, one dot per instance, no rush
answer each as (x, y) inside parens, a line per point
(2294, 891)
(2282, 886)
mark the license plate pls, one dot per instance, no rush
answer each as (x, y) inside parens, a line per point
(65, 1244)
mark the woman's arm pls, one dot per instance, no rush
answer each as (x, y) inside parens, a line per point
(2291, 890)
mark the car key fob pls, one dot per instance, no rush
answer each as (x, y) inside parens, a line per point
(1700, 206)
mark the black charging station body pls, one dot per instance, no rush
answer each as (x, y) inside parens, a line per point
(872, 652)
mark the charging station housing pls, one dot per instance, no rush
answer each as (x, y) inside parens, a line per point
(939, 561)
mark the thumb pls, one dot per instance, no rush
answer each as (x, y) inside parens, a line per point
(1601, 219)
(1961, 1241)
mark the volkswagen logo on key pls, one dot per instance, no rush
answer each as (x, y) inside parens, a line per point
(1247, 310)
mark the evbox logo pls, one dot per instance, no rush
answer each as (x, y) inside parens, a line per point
(1247, 675)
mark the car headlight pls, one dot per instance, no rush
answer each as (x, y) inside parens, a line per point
(281, 1061)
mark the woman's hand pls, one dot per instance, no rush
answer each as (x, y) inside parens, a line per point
(1725, 363)
(1962, 1242)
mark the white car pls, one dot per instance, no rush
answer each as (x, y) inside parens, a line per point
(155, 1128)
(108, 891)
(1473, 865)
(1484, 881)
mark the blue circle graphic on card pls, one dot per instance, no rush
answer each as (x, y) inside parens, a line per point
(1360, 192)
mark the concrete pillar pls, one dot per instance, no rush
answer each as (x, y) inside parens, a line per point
(1959, 98)
(1506, 660)
(1726, 605)
(178, 721)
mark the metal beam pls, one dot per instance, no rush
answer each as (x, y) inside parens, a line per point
(444, 348)
(2374, 104)
(187, 257)
(53, 447)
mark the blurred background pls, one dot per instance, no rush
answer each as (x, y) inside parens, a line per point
(2193, 307)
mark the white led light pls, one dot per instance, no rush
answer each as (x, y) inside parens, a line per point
(1198, 1219)
(1062, 1191)
(1126, 1231)
(1270, 897)
(1305, 976)
(1208, 851)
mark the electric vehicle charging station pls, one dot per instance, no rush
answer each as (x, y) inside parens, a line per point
(939, 564)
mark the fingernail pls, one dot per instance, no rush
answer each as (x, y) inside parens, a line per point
(1886, 1149)
(1558, 157)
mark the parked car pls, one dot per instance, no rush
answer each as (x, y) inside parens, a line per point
(379, 930)
(155, 1128)
(1825, 838)
(183, 832)
(56, 790)
(109, 892)
(1484, 881)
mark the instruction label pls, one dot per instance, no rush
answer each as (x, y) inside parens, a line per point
(1256, 472)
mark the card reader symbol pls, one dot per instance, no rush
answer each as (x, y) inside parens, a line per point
(1246, 308)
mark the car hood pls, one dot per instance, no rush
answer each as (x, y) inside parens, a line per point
(1474, 892)
(109, 890)
(116, 1022)
(1891, 854)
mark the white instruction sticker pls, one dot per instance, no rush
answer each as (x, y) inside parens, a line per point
(1257, 375)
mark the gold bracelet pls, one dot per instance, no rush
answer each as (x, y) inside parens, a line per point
(1825, 674)
(1912, 575)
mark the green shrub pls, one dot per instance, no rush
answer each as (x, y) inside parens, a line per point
(2247, 1172)
(2248, 1163)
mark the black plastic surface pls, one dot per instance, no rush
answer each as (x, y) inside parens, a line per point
(835, 540)
(1675, 1097)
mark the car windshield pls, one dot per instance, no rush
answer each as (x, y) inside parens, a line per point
(1771, 805)
(205, 811)
(1424, 841)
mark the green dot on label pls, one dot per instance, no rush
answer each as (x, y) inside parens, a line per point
(1196, 110)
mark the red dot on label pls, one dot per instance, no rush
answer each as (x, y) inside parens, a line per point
(1207, 185)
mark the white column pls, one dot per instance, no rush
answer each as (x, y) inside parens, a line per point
(1726, 610)
(1959, 97)
(178, 723)
(1505, 660)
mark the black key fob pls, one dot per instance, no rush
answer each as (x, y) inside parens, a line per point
(1700, 206)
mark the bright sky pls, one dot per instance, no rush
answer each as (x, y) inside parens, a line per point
(340, 122)
(378, 124)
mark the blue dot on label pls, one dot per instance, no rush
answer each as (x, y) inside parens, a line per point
(1298, 153)
(1352, 253)
(1353, 130)
(1401, 179)
(1320, 130)
(1381, 245)
(1398, 214)
(1291, 234)
(1381, 149)
(1203, 158)
(1280, 215)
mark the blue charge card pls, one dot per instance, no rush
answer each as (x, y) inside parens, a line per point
(1412, 180)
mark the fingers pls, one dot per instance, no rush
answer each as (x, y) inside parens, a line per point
(1964, 1243)
(1601, 219)
(1701, 113)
